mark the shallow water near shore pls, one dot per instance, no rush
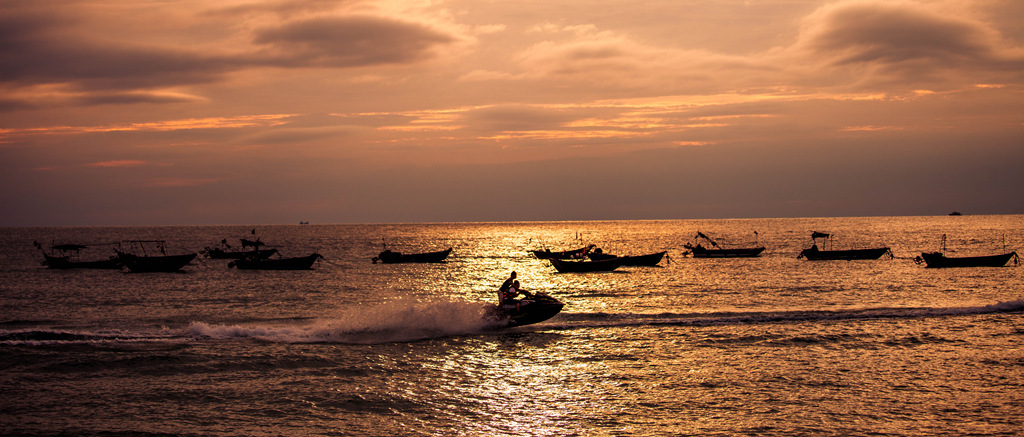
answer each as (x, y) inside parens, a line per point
(769, 345)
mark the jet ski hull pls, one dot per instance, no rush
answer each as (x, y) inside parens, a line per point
(528, 311)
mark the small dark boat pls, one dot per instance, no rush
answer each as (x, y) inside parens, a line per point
(250, 248)
(137, 260)
(216, 253)
(649, 260)
(66, 256)
(939, 260)
(566, 266)
(697, 250)
(534, 309)
(815, 254)
(392, 257)
(565, 254)
(294, 263)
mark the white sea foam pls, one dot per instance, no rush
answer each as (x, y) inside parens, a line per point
(402, 320)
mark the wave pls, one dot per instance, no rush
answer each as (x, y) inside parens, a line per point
(398, 321)
(404, 321)
(40, 337)
(755, 318)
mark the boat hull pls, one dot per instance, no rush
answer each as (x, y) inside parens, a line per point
(60, 262)
(565, 254)
(296, 263)
(565, 266)
(223, 254)
(147, 264)
(649, 260)
(536, 309)
(938, 260)
(813, 254)
(389, 257)
(700, 252)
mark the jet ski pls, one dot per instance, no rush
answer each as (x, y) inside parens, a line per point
(535, 308)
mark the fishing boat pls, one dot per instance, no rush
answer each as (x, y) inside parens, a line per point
(66, 256)
(293, 263)
(567, 266)
(249, 249)
(940, 260)
(535, 308)
(815, 254)
(136, 258)
(564, 254)
(392, 257)
(649, 260)
(697, 250)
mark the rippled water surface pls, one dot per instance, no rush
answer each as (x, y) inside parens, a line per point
(770, 345)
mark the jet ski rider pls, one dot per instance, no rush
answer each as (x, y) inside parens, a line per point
(508, 292)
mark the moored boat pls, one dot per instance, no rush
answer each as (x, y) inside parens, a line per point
(649, 260)
(536, 308)
(939, 260)
(697, 250)
(564, 254)
(292, 263)
(567, 266)
(815, 254)
(67, 256)
(700, 251)
(136, 258)
(215, 253)
(250, 248)
(392, 257)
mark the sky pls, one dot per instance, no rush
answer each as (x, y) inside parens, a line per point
(178, 112)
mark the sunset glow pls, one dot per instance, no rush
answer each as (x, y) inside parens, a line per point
(454, 110)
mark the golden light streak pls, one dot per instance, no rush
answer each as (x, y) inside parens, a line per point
(869, 128)
(563, 135)
(421, 128)
(118, 163)
(161, 126)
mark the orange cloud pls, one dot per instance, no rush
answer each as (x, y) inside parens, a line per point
(181, 182)
(169, 125)
(118, 163)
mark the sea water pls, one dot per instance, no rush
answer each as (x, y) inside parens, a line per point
(772, 345)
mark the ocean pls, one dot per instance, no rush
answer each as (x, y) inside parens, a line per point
(773, 345)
